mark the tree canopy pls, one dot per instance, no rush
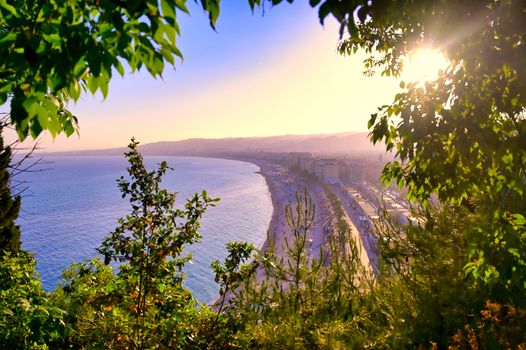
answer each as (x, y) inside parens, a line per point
(9, 204)
(53, 51)
(462, 136)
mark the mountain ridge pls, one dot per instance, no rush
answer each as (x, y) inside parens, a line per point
(346, 143)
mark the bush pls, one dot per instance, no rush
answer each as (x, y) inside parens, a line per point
(28, 318)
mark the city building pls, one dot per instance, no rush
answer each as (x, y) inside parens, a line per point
(306, 162)
(327, 170)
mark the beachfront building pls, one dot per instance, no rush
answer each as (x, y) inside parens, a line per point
(327, 170)
(344, 172)
(357, 171)
(367, 212)
(289, 159)
(306, 162)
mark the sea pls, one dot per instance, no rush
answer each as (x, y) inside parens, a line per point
(72, 203)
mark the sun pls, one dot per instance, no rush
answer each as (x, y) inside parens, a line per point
(423, 65)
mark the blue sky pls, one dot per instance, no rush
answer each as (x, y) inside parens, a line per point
(259, 75)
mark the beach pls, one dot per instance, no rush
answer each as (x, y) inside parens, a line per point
(283, 186)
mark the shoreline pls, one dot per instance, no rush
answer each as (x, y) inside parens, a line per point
(283, 186)
(277, 190)
(282, 189)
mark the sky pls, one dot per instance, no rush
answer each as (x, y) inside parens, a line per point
(268, 73)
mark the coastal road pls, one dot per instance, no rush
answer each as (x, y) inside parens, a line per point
(360, 233)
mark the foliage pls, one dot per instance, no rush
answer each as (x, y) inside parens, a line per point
(420, 297)
(296, 301)
(501, 326)
(28, 318)
(461, 137)
(422, 293)
(89, 295)
(52, 51)
(145, 304)
(9, 205)
(215, 327)
(233, 271)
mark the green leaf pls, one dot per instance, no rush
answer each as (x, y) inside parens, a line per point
(212, 6)
(31, 105)
(324, 11)
(92, 84)
(5, 5)
(74, 90)
(253, 3)
(35, 128)
(507, 158)
(8, 38)
(80, 68)
(119, 67)
(168, 8)
(103, 82)
(181, 5)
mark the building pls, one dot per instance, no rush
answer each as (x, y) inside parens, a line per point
(306, 162)
(327, 170)
(357, 171)
(344, 172)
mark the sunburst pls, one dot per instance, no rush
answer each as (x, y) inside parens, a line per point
(424, 64)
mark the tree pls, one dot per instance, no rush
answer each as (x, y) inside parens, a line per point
(52, 51)
(9, 205)
(145, 304)
(149, 245)
(461, 137)
(28, 318)
(293, 300)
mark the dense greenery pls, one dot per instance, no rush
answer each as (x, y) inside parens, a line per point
(28, 317)
(9, 205)
(461, 137)
(420, 299)
(52, 51)
(298, 301)
(457, 279)
(145, 303)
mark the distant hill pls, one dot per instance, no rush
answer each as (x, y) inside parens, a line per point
(322, 144)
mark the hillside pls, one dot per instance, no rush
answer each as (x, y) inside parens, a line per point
(327, 144)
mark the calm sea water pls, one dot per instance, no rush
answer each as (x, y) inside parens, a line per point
(71, 207)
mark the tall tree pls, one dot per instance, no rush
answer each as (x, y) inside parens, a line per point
(149, 243)
(52, 51)
(9, 205)
(462, 136)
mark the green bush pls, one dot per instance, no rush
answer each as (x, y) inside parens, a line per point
(28, 318)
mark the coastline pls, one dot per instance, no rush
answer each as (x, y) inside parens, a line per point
(281, 193)
(279, 196)
(283, 186)
(274, 216)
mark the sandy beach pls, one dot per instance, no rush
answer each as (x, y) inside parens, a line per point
(283, 186)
